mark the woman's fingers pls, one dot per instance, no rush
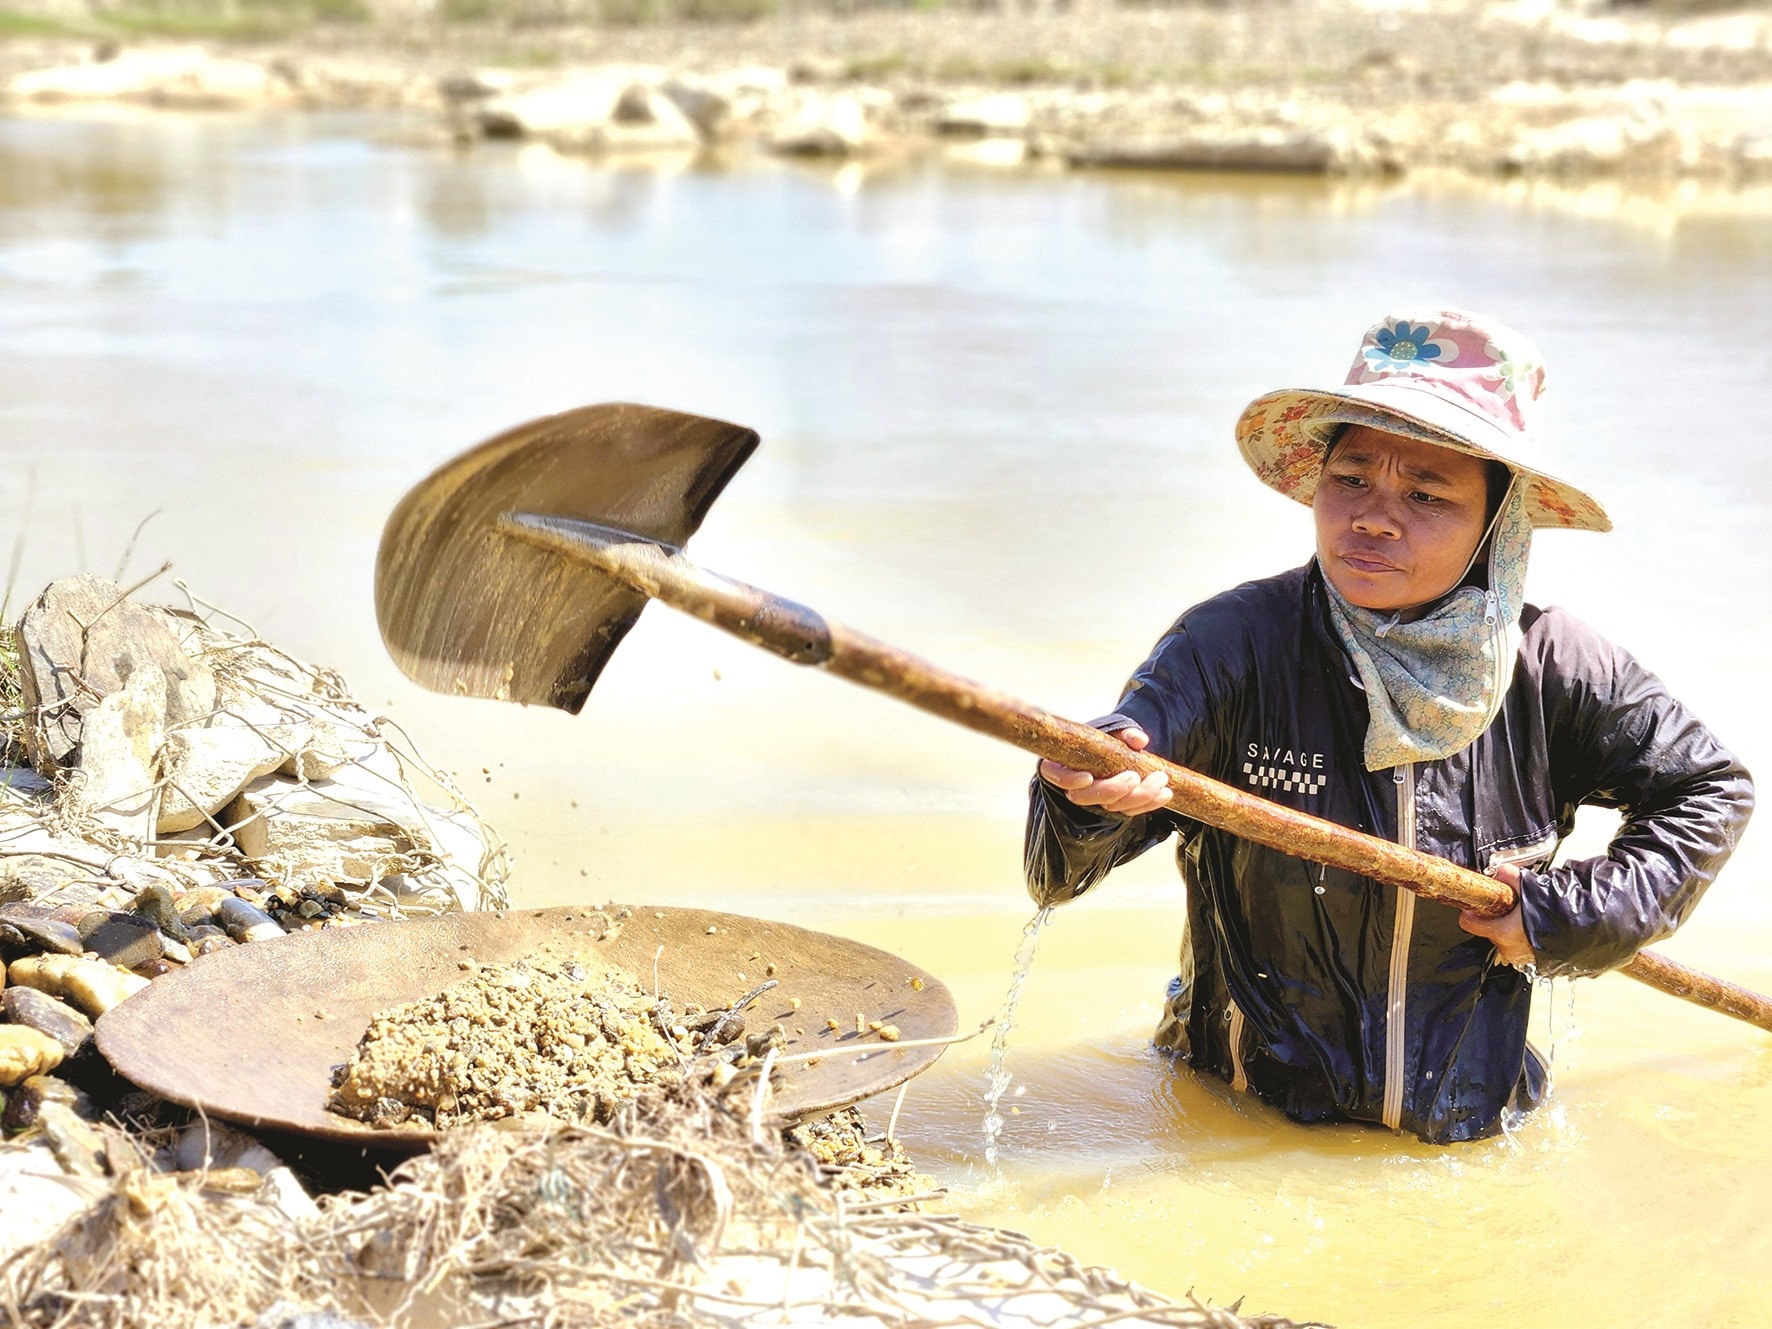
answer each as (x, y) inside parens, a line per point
(1125, 793)
(1508, 934)
(1065, 777)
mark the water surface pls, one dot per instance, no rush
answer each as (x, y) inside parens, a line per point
(996, 417)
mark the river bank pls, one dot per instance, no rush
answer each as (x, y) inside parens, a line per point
(1320, 87)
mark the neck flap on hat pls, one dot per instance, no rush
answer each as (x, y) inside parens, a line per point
(1435, 683)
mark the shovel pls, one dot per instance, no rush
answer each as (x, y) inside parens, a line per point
(515, 570)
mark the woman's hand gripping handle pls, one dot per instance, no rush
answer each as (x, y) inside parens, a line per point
(1125, 793)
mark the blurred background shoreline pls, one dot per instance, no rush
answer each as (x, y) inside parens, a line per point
(1656, 96)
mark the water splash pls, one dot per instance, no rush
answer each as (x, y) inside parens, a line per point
(997, 1076)
(1560, 1029)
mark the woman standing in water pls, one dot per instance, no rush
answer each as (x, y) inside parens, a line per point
(1398, 684)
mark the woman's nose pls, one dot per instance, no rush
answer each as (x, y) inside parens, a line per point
(1374, 516)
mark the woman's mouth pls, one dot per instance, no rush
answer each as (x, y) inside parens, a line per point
(1363, 562)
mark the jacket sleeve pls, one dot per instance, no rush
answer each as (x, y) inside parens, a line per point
(1069, 848)
(1619, 740)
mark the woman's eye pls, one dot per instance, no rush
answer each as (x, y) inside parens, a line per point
(1426, 499)
(1350, 481)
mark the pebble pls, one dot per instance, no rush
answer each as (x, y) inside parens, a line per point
(37, 933)
(245, 921)
(40, 1011)
(78, 1148)
(207, 939)
(154, 903)
(125, 939)
(91, 985)
(200, 905)
(24, 1053)
(25, 1104)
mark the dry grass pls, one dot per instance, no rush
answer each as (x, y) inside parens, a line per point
(686, 1210)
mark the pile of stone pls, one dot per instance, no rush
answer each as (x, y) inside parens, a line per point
(1469, 88)
(167, 789)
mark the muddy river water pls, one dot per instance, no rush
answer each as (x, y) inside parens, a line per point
(996, 418)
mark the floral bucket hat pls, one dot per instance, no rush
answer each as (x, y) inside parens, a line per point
(1444, 376)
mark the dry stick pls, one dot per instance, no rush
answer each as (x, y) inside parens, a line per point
(18, 542)
(803, 636)
(839, 1049)
(892, 1121)
(129, 547)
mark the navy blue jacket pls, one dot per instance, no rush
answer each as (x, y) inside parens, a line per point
(1336, 997)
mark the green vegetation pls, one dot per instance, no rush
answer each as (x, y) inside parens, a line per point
(213, 20)
(863, 68)
(32, 25)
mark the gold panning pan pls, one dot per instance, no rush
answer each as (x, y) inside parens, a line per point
(251, 1034)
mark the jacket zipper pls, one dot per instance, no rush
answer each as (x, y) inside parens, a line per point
(1498, 635)
(1239, 1075)
(1396, 1024)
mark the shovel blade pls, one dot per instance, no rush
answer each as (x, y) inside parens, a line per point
(467, 608)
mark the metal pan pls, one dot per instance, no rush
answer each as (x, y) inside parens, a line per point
(251, 1034)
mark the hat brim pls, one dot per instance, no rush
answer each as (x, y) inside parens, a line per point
(1282, 436)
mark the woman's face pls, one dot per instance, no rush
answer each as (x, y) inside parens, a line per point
(1397, 519)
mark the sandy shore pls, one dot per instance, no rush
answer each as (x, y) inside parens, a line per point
(1323, 86)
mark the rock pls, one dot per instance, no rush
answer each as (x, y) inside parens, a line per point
(92, 985)
(611, 107)
(646, 120)
(77, 1147)
(126, 940)
(206, 939)
(994, 152)
(36, 933)
(154, 903)
(25, 1104)
(206, 768)
(206, 1146)
(473, 85)
(747, 91)
(21, 784)
(1634, 139)
(35, 1197)
(38, 1010)
(704, 107)
(82, 627)
(833, 126)
(284, 1189)
(290, 830)
(1271, 149)
(199, 906)
(24, 1053)
(246, 922)
(1003, 115)
(26, 877)
(179, 77)
(120, 741)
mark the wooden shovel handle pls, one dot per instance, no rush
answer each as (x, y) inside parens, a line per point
(803, 636)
